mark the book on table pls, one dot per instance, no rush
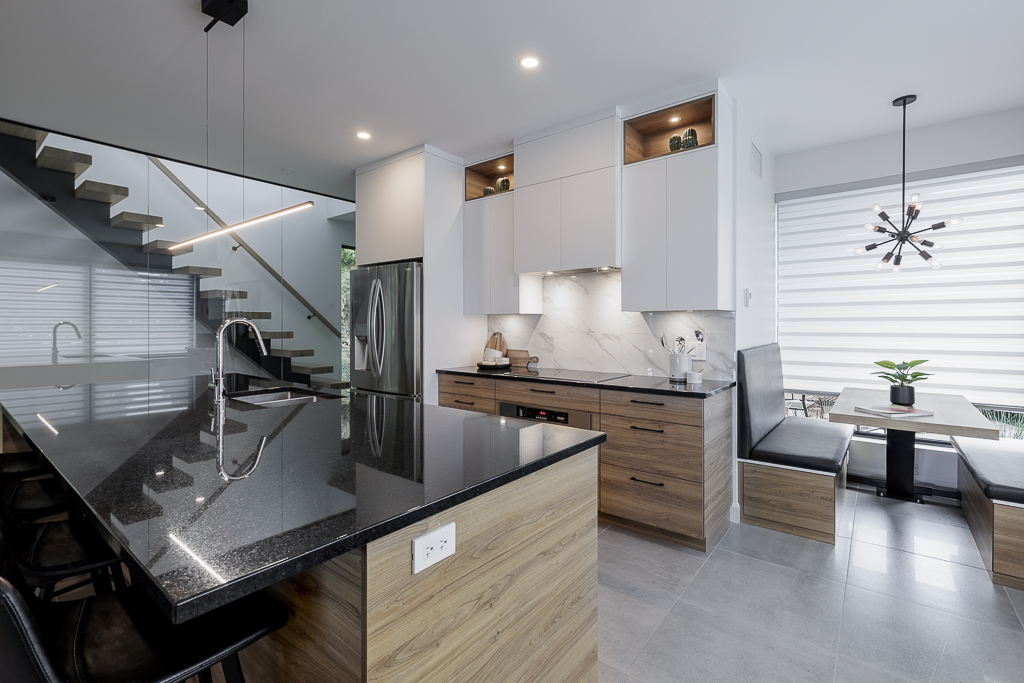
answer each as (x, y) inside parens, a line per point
(894, 411)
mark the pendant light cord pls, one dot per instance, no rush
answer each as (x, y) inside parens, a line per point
(903, 199)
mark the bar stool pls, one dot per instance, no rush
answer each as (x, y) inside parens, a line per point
(121, 636)
(25, 500)
(21, 465)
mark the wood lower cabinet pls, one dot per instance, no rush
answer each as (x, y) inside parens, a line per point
(467, 393)
(666, 468)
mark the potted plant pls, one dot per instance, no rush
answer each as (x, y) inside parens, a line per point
(901, 393)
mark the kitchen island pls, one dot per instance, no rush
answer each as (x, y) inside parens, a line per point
(320, 502)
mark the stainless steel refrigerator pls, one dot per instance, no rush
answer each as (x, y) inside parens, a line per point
(387, 328)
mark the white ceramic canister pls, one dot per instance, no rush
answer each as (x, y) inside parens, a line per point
(678, 365)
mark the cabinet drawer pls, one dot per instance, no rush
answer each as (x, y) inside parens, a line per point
(662, 448)
(687, 411)
(481, 387)
(471, 403)
(543, 395)
(663, 502)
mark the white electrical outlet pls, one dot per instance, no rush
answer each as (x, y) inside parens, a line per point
(429, 549)
(700, 351)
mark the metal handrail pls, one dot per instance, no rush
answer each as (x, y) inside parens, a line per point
(242, 243)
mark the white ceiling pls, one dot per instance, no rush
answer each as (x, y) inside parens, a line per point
(812, 72)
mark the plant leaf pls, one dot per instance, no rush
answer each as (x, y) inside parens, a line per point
(903, 366)
(915, 363)
(886, 364)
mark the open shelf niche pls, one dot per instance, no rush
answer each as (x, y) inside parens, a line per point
(486, 174)
(648, 136)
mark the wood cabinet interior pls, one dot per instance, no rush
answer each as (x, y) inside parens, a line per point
(486, 174)
(647, 136)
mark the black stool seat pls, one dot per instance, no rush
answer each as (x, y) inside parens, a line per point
(121, 637)
(997, 466)
(805, 442)
(32, 499)
(57, 549)
(21, 465)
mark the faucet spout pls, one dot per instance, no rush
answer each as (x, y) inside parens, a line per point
(53, 353)
(218, 371)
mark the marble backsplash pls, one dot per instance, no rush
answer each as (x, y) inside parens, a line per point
(584, 328)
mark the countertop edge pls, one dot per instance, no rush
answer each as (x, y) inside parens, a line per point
(699, 394)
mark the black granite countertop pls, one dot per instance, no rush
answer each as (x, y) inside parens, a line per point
(646, 384)
(141, 459)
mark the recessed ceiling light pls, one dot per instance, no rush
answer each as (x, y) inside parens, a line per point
(605, 268)
(529, 62)
(159, 225)
(363, 135)
(550, 272)
(572, 277)
(501, 168)
(675, 119)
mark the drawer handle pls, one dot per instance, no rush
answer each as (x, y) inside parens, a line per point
(645, 429)
(466, 403)
(541, 391)
(647, 403)
(646, 482)
(455, 381)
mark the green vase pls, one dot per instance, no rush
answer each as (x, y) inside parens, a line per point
(675, 143)
(488, 190)
(503, 184)
(689, 138)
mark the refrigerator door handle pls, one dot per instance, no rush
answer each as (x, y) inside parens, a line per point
(372, 331)
(383, 317)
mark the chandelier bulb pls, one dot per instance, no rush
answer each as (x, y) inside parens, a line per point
(915, 199)
(877, 208)
(954, 221)
(934, 263)
(881, 264)
(869, 227)
(862, 250)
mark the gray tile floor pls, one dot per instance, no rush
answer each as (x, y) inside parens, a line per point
(902, 596)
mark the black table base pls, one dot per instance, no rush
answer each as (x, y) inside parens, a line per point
(899, 466)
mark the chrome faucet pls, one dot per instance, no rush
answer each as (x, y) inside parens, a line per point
(53, 355)
(218, 371)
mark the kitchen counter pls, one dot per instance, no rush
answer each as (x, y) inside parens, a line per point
(647, 384)
(332, 476)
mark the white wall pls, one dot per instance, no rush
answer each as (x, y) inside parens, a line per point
(977, 139)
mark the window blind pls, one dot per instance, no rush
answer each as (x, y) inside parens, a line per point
(837, 315)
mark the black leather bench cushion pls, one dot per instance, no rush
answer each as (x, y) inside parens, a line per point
(997, 466)
(21, 465)
(805, 442)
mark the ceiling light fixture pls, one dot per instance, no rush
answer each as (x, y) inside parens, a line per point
(243, 224)
(363, 135)
(529, 62)
(902, 235)
(675, 119)
(550, 272)
(501, 168)
(43, 289)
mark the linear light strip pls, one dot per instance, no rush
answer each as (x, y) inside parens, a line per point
(243, 224)
(43, 420)
(43, 289)
(198, 559)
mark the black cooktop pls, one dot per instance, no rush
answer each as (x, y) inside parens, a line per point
(570, 375)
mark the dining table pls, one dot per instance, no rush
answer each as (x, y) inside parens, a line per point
(953, 415)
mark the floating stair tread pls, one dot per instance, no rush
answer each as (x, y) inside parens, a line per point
(24, 132)
(251, 315)
(198, 271)
(328, 383)
(292, 353)
(92, 191)
(273, 334)
(164, 247)
(136, 221)
(223, 294)
(64, 160)
(311, 369)
(262, 383)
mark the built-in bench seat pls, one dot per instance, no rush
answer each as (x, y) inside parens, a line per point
(990, 476)
(792, 470)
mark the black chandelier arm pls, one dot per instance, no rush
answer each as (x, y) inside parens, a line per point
(891, 223)
(878, 244)
(930, 227)
(919, 249)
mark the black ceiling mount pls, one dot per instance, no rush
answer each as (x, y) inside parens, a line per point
(904, 101)
(228, 11)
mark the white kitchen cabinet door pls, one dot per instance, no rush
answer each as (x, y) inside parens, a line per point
(537, 234)
(566, 153)
(390, 218)
(504, 283)
(590, 220)
(694, 263)
(644, 226)
(476, 273)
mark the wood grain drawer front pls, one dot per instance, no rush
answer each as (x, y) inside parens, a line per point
(663, 502)
(801, 499)
(664, 448)
(1008, 541)
(545, 395)
(472, 403)
(687, 411)
(465, 386)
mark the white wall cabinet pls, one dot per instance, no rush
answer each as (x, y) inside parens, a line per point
(390, 210)
(490, 284)
(567, 198)
(678, 228)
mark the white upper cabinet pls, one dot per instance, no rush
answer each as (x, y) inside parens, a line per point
(390, 210)
(490, 285)
(567, 198)
(678, 223)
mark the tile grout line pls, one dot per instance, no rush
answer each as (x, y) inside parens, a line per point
(1016, 611)
(842, 610)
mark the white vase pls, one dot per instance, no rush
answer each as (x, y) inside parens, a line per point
(678, 365)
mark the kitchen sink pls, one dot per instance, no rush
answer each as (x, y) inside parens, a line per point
(278, 398)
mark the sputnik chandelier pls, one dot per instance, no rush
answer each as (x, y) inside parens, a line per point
(899, 237)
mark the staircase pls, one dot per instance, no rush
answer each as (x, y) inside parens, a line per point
(51, 174)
